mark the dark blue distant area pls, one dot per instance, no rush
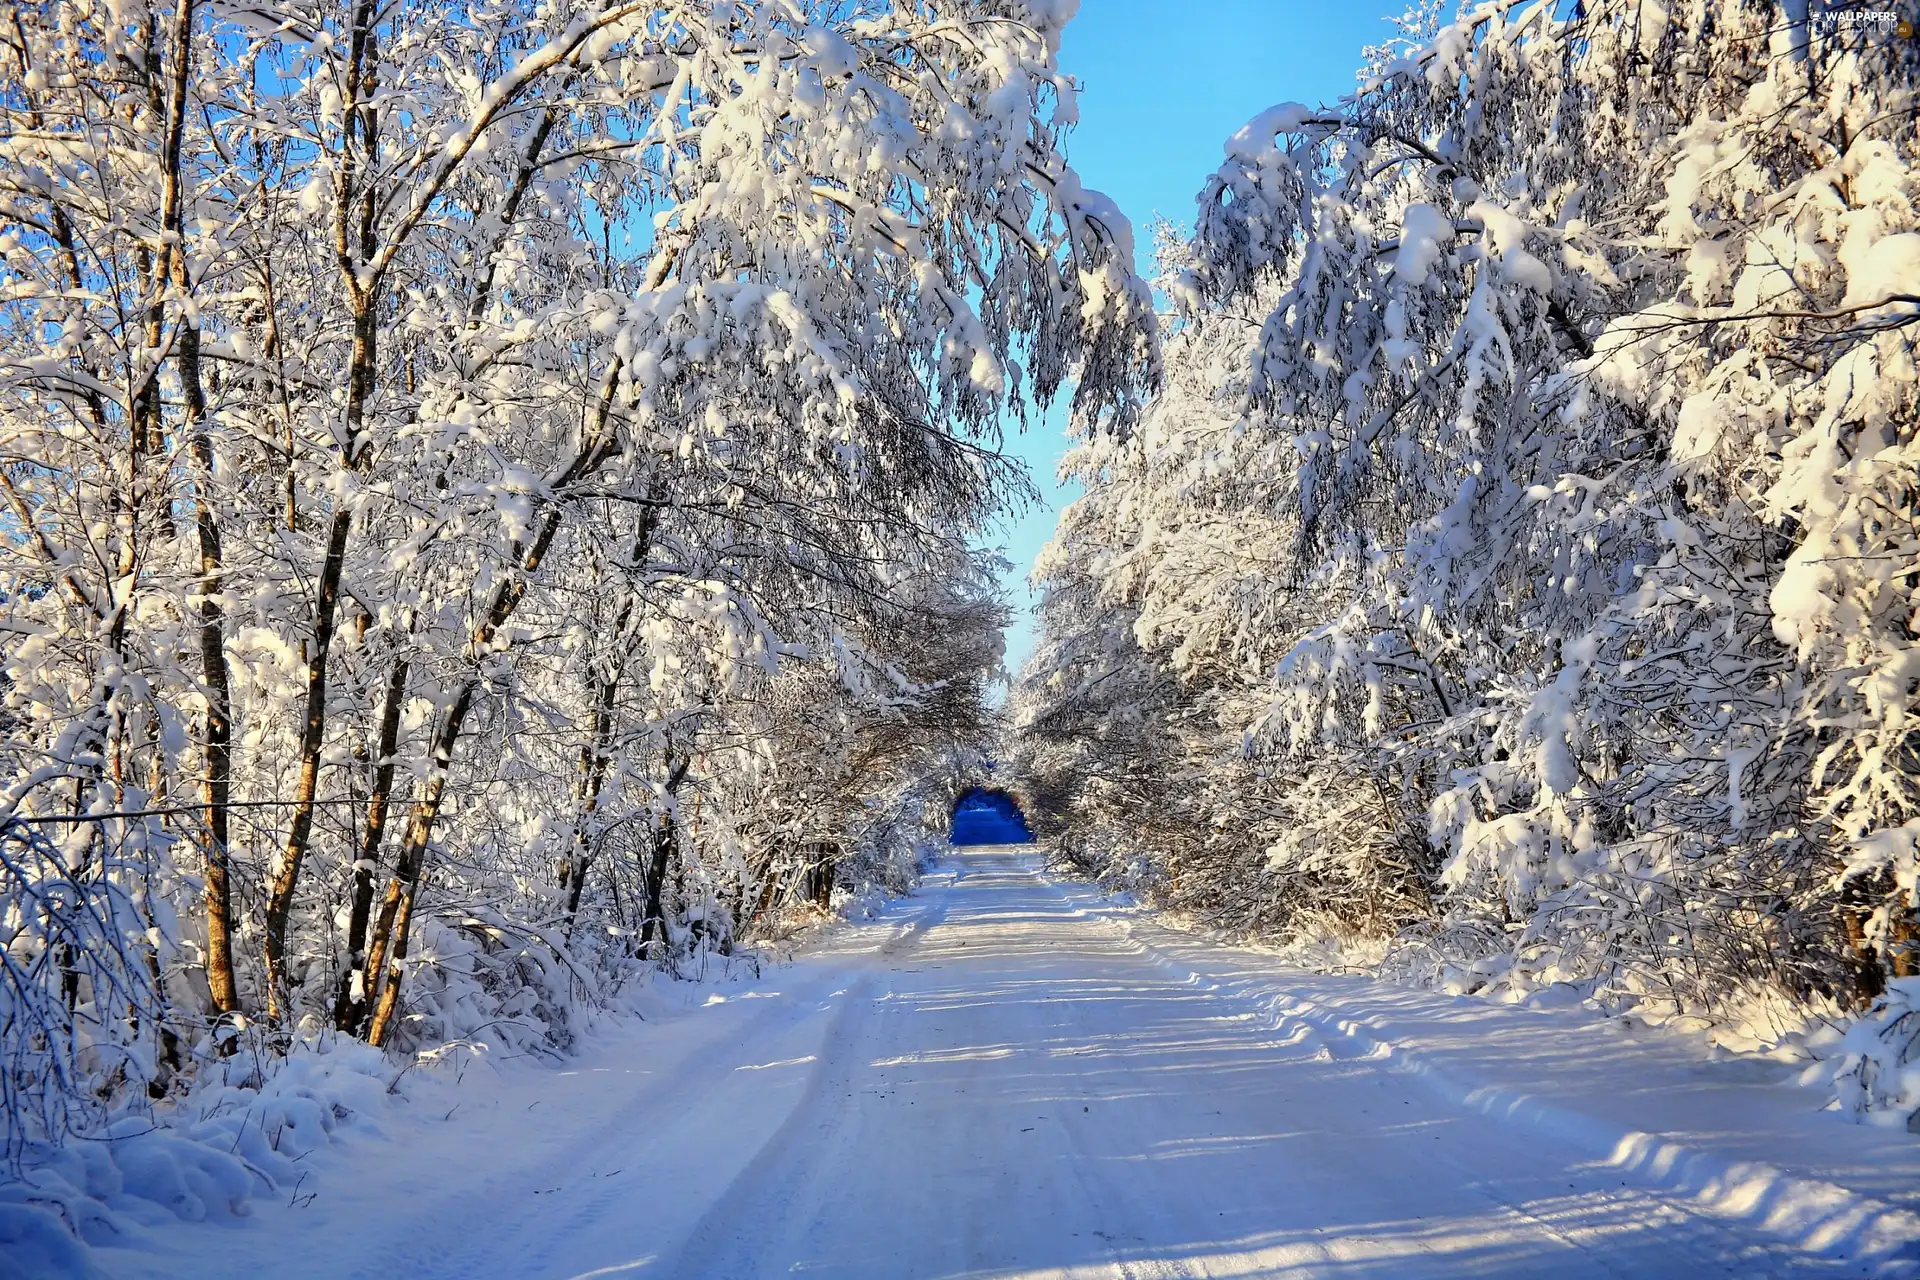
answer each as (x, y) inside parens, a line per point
(989, 817)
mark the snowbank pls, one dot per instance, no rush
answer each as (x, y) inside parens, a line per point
(1751, 1148)
(239, 1135)
(244, 1132)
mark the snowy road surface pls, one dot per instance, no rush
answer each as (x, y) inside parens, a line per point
(1002, 1076)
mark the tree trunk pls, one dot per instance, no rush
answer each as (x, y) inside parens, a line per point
(1865, 967)
(653, 921)
(594, 756)
(822, 873)
(396, 909)
(591, 779)
(217, 784)
(349, 1007)
(313, 732)
(769, 890)
(389, 945)
(666, 840)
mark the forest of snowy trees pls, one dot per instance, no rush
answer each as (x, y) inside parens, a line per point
(492, 495)
(1521, 566)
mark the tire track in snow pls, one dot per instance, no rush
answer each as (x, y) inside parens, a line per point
(1759, 1248)
(768, 1216)
(507, 1220)
(761, 1197)
(1235, 1128)
(771, 1171)
(1119, 1209)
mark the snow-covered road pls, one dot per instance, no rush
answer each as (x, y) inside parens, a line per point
(1001, 1076)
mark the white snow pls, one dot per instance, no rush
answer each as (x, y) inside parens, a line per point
(1424, 235)
(1256, 137)
(1010, 1075)
(1889, 268)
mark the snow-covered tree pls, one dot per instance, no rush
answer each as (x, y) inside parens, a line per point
(1523, 545)
(469, 467)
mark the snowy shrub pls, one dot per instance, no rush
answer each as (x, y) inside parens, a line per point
(1519, 558)
(900, 837)
(81, 1017)
(1878, 1076)
(1456, 954)
(483, 976)
(240, 1133)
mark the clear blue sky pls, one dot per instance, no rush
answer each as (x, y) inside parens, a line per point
(1164, 83)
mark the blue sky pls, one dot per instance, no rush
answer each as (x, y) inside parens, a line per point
(1164, 83)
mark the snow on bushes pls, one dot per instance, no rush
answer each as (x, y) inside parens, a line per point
(1878, 1073)
(241, 1133)
(1520, 558)
(424, 637)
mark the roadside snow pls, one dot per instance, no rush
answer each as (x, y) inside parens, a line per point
(1008, 1075)
(1740, 1138)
